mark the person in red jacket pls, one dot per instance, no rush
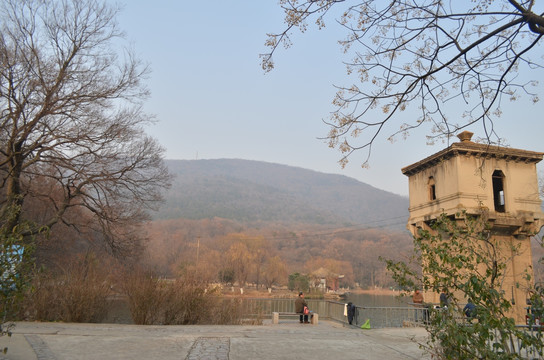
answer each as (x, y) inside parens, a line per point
(417, 300)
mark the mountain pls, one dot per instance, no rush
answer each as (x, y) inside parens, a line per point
(255, 191)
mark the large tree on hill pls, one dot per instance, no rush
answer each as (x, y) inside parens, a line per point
(415, 62)
(71, 134)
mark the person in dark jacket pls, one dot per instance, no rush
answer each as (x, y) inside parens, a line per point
(444, 298)
(300, 303)
(351, 312)
(470, 310)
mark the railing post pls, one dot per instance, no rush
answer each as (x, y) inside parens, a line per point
(275, 318)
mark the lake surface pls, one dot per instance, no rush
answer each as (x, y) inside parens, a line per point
(370, 300)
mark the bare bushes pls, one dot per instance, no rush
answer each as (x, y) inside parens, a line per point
(153, 300)
(185, 301)
(79, 292)
(76, 293)
(141, 288)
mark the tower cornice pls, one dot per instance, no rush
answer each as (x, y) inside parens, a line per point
(469, 148)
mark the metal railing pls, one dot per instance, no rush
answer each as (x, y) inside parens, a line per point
(521, 347)
(379, 317)
(263, 307)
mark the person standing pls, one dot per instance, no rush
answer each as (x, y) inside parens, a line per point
(417, 297)
(417, 300)
(351, 310)
(300, 304)
(444, 298)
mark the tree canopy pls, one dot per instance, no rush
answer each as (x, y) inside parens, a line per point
(71, 136)
(433, 57)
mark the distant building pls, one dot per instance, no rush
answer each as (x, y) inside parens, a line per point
(478, 177)
(325, 280)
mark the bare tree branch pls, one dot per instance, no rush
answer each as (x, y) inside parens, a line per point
(429, 56)
(71, 117)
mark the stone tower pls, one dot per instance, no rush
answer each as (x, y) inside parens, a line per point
(471, 176)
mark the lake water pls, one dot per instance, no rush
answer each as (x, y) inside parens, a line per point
(370, 300)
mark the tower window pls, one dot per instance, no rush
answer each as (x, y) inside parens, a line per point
(498, 191)
(432, 189)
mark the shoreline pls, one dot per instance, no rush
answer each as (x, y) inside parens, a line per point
(282, 293)
(377, 292)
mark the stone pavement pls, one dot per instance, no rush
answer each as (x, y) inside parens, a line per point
(288, 339)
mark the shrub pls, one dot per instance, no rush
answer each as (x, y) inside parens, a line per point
(463, 258)
(77, 293)
(15, 265)
(228, 311)
(185, 301)
(141, 289)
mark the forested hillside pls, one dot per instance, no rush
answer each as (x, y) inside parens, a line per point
(249, 191)
(255, 222)
(259, 222)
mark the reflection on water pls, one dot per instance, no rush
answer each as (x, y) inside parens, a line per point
(370, 300)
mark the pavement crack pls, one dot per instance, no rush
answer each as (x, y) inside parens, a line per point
(210, 348)
(40, 348)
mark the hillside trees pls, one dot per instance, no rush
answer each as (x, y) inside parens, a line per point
(425, 57)
(72, 123)
(362, 250)
(239, 260)
(271, 252)
(274, 272)
(246, 256)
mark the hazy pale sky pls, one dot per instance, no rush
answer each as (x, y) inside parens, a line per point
(212, 100)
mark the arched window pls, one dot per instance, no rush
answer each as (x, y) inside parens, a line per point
(432, 189)
(498, 191)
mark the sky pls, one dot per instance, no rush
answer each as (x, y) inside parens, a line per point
(212, 100)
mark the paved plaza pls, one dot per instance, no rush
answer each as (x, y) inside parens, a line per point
(287, 340)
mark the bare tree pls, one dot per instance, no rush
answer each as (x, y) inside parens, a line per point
(431, 56)
(240, 260)
(275, 272)
(71, 133)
